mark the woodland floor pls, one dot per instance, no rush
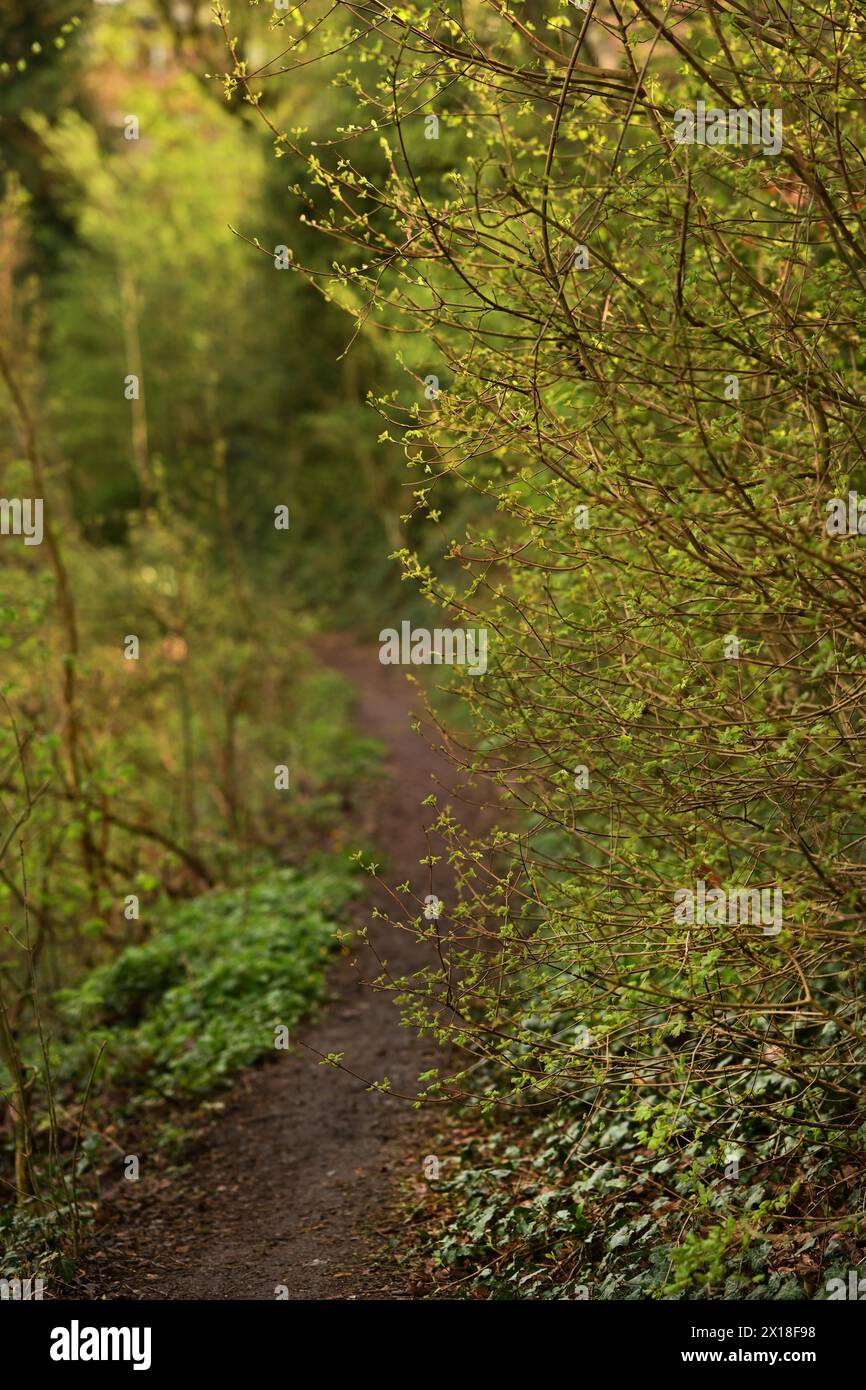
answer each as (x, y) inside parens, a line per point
(297, 1181)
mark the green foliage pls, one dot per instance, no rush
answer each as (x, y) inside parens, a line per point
(569, 1206)
(201, 999)
(656, 430)
(33, 1244)
(164, 390)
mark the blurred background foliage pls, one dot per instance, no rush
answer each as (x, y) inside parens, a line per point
(154, 778)
(142, 251)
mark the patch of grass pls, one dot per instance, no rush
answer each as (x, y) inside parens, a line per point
(176, 1017)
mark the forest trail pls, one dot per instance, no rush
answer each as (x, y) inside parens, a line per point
(294, 1183)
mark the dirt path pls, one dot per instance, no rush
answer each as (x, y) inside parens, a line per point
(294, 1183)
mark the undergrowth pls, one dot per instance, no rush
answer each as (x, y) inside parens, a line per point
(573, 1205)
(165, 1024)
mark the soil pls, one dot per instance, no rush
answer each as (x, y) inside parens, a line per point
(293, 1189)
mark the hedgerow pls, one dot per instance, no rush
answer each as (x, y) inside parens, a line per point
(639, 355)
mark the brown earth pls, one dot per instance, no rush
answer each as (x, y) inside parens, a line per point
(297, 1181)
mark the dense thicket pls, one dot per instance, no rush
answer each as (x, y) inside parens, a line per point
(651, 370)
(187, 454)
